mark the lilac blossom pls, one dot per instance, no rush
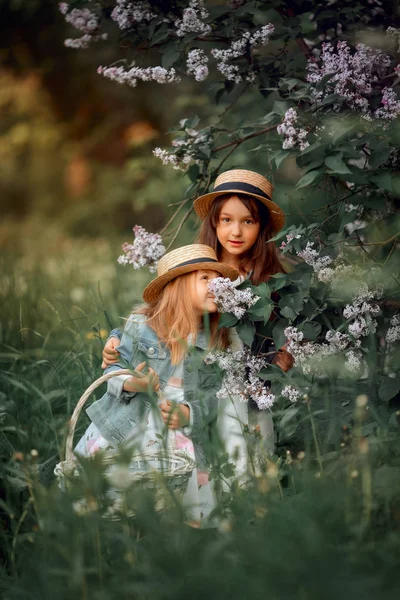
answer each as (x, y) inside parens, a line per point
(391, 105)
(132, 75)
(289, 237)
(293, 135)
(238, 48)
(290, 392)
(146, 250)
(241, 376)
(193, 19)
(229, 299)
(355, 77)
(196, 63)
(84, 20)
(393, 333)
(395, 34)
(169, 158)
(312, 257)
(128, 13)
(353, 361)
(186, 148)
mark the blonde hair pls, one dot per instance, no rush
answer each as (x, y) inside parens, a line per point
(173, 318)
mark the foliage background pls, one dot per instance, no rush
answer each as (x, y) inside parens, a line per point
(77, 173)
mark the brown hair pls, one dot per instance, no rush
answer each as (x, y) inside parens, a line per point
(262, 259)
(173, 318)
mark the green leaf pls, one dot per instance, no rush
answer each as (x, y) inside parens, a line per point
(227, 320)
(170, 56)
(280, 157)
(246, 332)
(288, 423)
(337, 164)
(311, 330)
(288, 313)
(193, 172)
(383, 180)
(309, 178)
(277, 332)
(388, 388)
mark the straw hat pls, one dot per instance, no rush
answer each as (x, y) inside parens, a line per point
(183, 260)
(240, 181)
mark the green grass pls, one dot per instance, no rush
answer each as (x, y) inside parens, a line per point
(311, 527)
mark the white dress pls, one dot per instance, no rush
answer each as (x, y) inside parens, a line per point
(152, 435)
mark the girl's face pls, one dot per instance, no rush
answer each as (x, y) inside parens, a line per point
(202, 298)
(237, 230)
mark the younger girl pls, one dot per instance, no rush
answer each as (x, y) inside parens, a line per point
(171, 334)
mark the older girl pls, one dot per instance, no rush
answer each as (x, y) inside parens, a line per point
(171, 334)
(239, 218)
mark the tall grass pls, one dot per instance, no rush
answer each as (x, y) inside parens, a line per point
(321, 522)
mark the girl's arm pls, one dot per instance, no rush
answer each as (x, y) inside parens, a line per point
(124, 387)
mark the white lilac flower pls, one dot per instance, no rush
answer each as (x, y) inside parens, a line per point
(246, 42)
(326, 275)
(293, 135)
(291, 393)
(146, 250)
(393, 333)
(355, 77)
(293, 334)
(193, 20)
(128, 13)
(85, 20)
(241, 376)
(353, 361)
(312, 257)
(177, 162)
(338, 340)
(196, 64)
(133, 74)
(229, 299)
(83, 42)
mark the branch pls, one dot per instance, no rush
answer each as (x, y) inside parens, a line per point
(245, 138)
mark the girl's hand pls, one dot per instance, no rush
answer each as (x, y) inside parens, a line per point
(175, 415)
(283, 359)
(110, 353)
(148, 383)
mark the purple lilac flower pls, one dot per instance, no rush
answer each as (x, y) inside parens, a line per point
(356, 77)
(146, 250)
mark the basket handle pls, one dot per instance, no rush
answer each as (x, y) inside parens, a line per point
(81, 402)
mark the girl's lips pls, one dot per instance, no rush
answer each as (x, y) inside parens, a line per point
(235, 243)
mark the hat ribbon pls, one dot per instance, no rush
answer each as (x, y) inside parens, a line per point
(243, 187)
(193, 261)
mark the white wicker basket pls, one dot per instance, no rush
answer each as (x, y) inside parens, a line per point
(145, 468)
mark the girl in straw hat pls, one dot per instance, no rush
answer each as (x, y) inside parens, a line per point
(239, 218)
(171, 334)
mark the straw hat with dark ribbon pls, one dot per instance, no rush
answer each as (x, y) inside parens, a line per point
(239, 181)
(183, 260)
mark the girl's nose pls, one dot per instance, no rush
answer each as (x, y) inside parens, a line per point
(236, 229)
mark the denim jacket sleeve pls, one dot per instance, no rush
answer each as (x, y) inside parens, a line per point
(115, 333)
(127, 359)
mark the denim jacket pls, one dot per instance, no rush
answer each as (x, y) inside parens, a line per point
(118, 412)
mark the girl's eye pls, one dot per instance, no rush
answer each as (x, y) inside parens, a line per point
(249, 222)
(225, 219)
